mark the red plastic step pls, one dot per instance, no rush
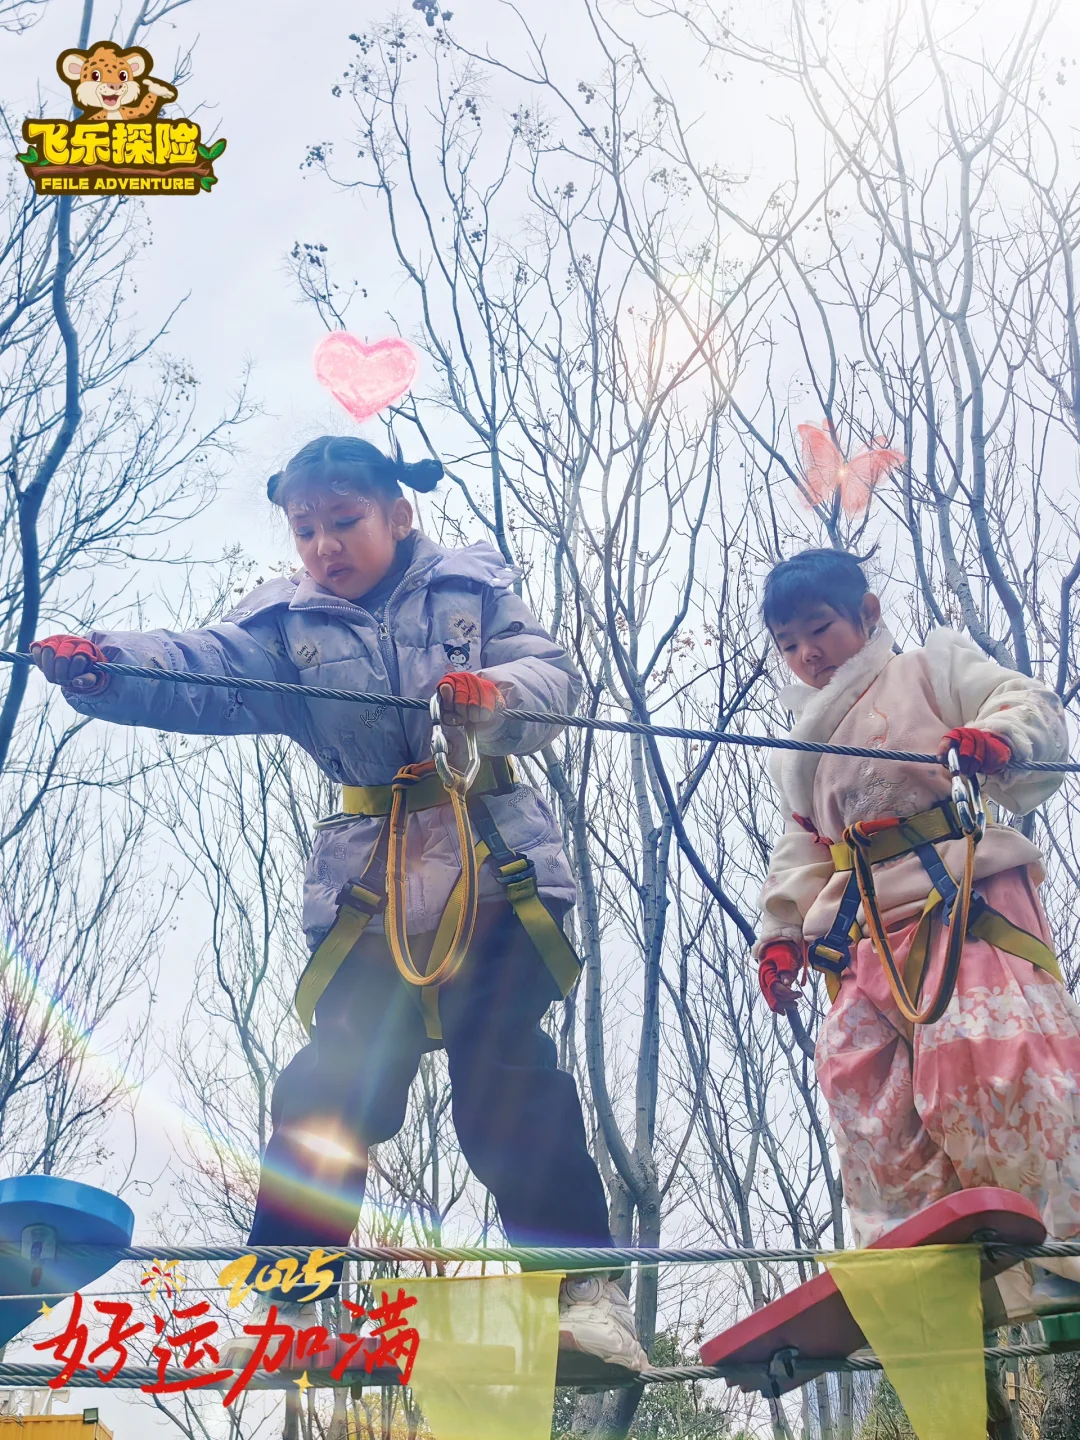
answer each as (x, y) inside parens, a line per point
(814, 1320)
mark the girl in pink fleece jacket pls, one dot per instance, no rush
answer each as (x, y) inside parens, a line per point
(990, 1093)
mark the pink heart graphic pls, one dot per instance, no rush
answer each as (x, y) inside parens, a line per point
(365, 378)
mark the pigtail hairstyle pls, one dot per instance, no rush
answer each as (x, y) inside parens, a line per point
(351, 465)
(421, 475)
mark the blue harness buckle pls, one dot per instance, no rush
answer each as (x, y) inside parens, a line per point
(829, 954)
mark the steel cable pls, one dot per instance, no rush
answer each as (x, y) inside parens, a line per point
(134, 1377)
(539, 717)
(535, 1257)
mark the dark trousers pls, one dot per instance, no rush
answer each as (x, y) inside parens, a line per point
(518, 1117)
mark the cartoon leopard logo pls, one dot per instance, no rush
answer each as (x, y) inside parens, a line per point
(114, 84)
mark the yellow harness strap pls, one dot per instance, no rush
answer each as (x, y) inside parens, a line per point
(383, 884)
(555, 950)
(927, 827)
(859, 851)
(356, 905)
(424, 792)
(989, 925)
(1000, 932)
(517, 875)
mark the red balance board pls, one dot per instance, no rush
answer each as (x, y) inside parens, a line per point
(814, 1321)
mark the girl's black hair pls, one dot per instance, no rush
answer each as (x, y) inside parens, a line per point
(814, 577)
(350, 464)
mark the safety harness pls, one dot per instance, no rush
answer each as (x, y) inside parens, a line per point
(381, 886)
(873, 842)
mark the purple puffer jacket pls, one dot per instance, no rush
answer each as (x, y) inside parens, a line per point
(453, 610)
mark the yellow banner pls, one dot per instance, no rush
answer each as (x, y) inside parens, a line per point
(485, 1365)
(921, 1311)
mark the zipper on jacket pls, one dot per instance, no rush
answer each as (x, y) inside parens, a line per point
(387, 648)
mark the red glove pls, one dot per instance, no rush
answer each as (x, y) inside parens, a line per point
(468, 699)
(981, 753)
(778, 974)
(69, 660)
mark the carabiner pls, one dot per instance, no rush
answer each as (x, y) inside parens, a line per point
(966, 796)
(460, 780)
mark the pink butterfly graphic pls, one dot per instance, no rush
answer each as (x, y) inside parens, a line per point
(825, 470)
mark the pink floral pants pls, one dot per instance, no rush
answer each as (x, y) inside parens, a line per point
(989, 1095)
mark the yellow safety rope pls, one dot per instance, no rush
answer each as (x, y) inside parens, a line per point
(466, 893)
(870, 842)
(958, 929)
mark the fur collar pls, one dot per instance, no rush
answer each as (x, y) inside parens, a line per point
(818, 712)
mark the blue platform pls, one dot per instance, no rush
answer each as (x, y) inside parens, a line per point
(42, 1214)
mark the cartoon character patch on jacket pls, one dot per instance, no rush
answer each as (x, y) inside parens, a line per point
(457, 656)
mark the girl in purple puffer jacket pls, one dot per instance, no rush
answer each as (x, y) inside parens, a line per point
(378, 607)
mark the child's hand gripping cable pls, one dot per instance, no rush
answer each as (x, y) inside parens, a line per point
(69, 660)
(779, 963)
(979, 751)
(468, 699)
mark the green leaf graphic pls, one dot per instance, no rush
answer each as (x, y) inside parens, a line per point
(204, 152)
(30, 158)
(207, 180)
(216, 149)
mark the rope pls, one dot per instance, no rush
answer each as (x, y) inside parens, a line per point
(539, 717)
(135, 1377)
(860, 1361)
(550, 1258)
(536, 1257)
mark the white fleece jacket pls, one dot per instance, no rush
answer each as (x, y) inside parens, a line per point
(878, 699)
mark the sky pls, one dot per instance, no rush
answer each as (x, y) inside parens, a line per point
(263, 76)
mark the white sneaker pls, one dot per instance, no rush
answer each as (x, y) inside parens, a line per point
(595, 1319)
